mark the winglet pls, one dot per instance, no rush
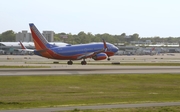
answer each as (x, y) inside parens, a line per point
(22, 46)
(105, 45)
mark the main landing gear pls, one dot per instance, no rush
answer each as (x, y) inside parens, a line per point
(70, 62)
(83, 62)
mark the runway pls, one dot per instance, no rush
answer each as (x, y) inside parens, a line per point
(90, 69)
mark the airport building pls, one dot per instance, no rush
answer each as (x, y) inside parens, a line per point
(24, 36)
(49, 35)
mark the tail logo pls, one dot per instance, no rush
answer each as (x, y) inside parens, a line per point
(38, 34)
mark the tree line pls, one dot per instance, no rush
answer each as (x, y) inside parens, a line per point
(82, 37)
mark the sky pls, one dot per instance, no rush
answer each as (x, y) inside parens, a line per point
(148, 18)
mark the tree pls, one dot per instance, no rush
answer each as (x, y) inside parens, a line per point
(8, 36)
(56, 37)
(70, 39)
(83, 38)
(123, 34)
(122, 37)
(97, 38)
(135, 37)
(157, 39)
(0, 37)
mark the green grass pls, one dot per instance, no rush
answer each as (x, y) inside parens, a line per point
(22, 66)
(50, 91)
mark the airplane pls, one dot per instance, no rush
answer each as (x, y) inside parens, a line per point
(96, 51)
(149, 51)
(142, 51)
(23, 48)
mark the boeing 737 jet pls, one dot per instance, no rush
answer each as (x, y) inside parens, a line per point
(96, 51)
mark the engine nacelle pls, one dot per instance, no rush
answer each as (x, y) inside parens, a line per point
(100, 56)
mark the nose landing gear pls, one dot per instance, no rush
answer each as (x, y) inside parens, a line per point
(108, 59)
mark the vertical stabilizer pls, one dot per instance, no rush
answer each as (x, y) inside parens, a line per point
(39, 40)
(22, 46)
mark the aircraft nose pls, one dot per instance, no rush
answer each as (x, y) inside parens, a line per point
(115, 49)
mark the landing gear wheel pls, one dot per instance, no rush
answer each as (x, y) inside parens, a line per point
(109, 59)
(70, 62)
(83, 62)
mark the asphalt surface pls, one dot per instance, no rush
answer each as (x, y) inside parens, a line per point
(90, 69)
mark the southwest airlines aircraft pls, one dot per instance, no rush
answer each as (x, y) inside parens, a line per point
(96, 51)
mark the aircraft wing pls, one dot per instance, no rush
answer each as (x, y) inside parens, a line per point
(85, 55)
(91, 54)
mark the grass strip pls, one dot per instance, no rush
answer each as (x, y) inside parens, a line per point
(51, 91)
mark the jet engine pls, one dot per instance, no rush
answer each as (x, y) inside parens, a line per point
(100, 56)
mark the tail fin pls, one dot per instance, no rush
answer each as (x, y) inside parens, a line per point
(39, 40)
(22, 46)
